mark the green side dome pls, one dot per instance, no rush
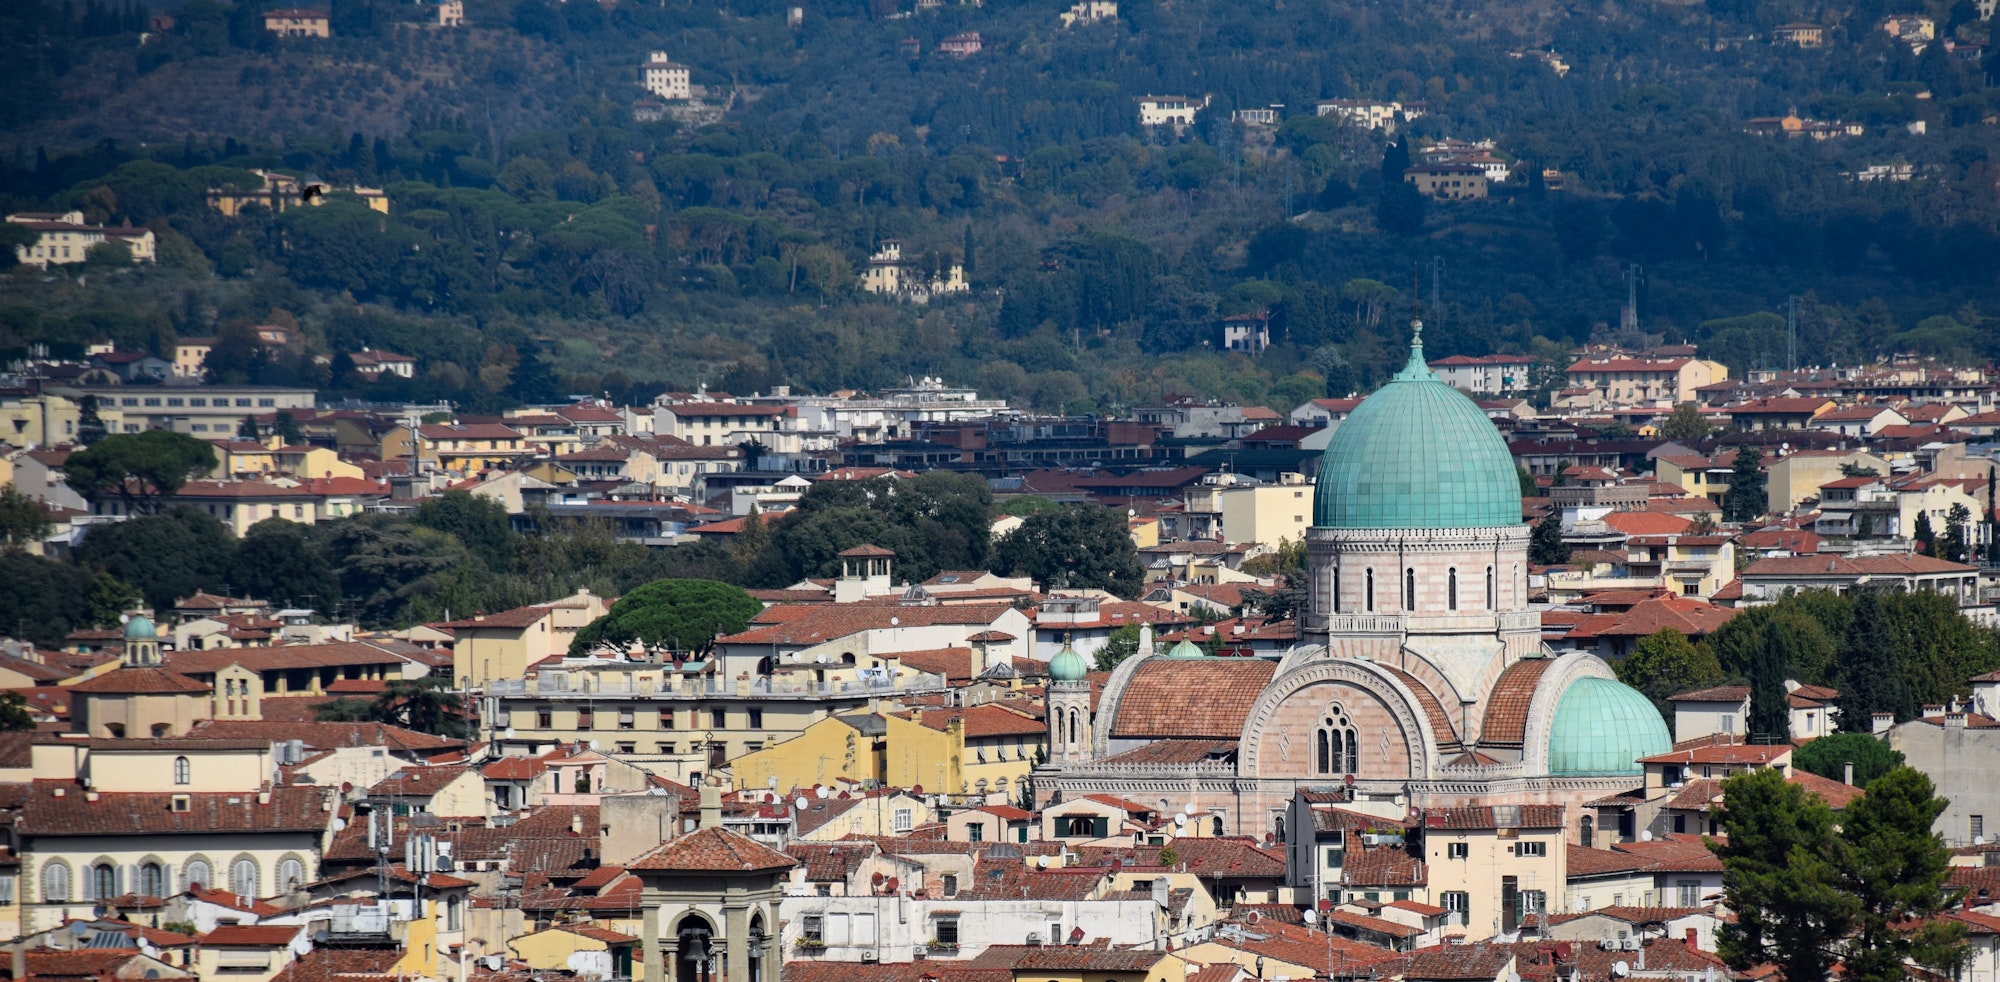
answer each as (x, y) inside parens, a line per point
(1185, 649)
(1068, 666)
(140, 628)
(1416, 454)
(1603, 727)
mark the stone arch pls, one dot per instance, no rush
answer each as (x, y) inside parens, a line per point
(1401, 704)
(1549, 691)
(1107, 706)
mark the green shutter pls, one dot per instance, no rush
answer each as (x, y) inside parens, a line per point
(1100, 827)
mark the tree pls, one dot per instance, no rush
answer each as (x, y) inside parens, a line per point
(1079, 547)
(1770, 711)
(41, 600)
(1779, 878)
(1703, 523)
(1895, 868)
(1664, 663)
(23, 520)
(1401, 209)
(276, 562)
(1685, 424)
(140, 469)
(1122, 644)
(1829, 756)
(1529, 489)
(89, 425)
(1957, 522)
(1746, 498)
(680, 615)
(14, 715)
(481, 523)
(1925, 536)
(165, 556)
(427, 705)
(1852, 469)
(1546, 546)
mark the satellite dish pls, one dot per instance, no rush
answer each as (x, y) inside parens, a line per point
(510, 733)
(1041, 862)
(802, 804)
(340, 825)
(820, 790)
(1310, 916)
(1180, 820)
(124, 618)
(493, 963)
(320, 936)
(1645, 835)
(1188, 808)
(301, 946)
(772, 783)
(593, 744)
(895, 622)
(79, 928)
(1621, 970)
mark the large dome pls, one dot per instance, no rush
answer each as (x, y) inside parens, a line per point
(1417, 454)
(1602, 728)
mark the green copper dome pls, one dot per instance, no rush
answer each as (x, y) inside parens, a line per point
(1603, 727)
(1068, 666)
(1185, 649)
(140, 628)
(1416, 454)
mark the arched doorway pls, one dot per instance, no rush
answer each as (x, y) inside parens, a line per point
(694, 958)
(760, 945)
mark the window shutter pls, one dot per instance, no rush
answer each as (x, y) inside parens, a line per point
(1100, 827)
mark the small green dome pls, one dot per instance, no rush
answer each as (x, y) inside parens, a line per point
(140, 628)
(1068, 666)
(1185, 649)
(1603, 727)
(1416, 454)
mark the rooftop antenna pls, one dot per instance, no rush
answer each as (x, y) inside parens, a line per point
(1437, 287)
(1628, 318)
(1792, 333)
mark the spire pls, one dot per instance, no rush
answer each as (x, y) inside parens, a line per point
(1416, 368)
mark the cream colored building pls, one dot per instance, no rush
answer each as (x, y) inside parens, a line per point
(64, 239)
(451, 13)
(295, 22)
(503, 645)
(665, 78)
(38, 419)
(1626, 381)
(1792, 479)
(1177, 111)
(889, 274)
(1089, 12)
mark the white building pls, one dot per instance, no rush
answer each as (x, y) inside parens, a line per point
(1176, 111)
(1371, 113)
(889, 274)
(1089, 12)
(64, 239)
(665, 78)
(1494, 375)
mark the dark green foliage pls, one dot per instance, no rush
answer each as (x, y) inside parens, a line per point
(1666, 663)
(276, 562)
(1743, 641)
(165, 556)
(1828, 756)
(1122, 644)
(1780, 877)
(1080, 547)
(427, 705)
(1545, 545)
(23, 520)
(138, 468)
(936, 521)
(1746, 498)
(1895, 868)
(680, 615)
(1924, 535)
(1770, 713)
(14, 715)
(480, 524)
(41, 600)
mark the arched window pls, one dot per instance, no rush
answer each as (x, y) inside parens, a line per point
(1410, 590)
(102, 883)
(152, 880)
(1075, 726)
(1336, 588)
(1492, 601)
(1370, 598)
(1337, 747)
(55, 883)
(1217, 828)
(291, 875)
(453, 918)
(1584, 837)
(1451, 589)
(182, 770)
(199, 875)
(243, 878)
(1278, 826)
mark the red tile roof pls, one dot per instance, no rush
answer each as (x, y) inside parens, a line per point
(1687, 615)
(252, 935)
(141, 682)
(1169, 698)
(1507, 707)
(714, 850)
(1896, 565)
(289, 809)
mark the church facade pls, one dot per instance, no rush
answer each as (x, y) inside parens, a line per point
(1421, 682)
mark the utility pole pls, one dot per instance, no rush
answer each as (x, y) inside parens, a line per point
(1628, 319)
(1437, 290)
(1792, 333)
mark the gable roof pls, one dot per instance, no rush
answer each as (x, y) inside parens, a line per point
(714, 850)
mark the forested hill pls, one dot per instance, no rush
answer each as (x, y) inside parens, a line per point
(542, 239)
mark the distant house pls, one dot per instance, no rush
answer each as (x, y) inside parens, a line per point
(665, 78)
(373, 363)
(1372, 114)
(962, 45)
(1794, 125)
(1913, 28)
(1799, 35)
(295, 22)
(63, 238)
(890, 274)
(1267, 116)
(451, 13)
(1176, 111)
(1089, 12)
(1248, 333)
(1496, 375)
(1448, 182)
(281, 191)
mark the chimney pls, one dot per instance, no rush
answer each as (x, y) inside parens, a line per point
(1690, 938)
(1881, 722)
(576, 823)
(1955, 721)
(1847, 773)
(711, 805)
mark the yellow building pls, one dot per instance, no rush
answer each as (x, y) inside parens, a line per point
(971, 751)
(37, 419)
(585, 949)
(279, 192)
(503, 645)
(851, 747)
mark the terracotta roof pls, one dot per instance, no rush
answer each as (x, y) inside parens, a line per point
(596, 933)
(1174, 752)
(831, 861)
(418, 782)
(1448, 963)
(325, 964)
(141, 682)
(1899, 565)
(1495, 817)
(1697, 795)
(1674, 853)
(336, 654)
(1507, 708)
(714, 850)
(1691, 617)
(252, 935)
(983, 721)
(519, 617)
(1191, 698)
(1723, 753)
(1837, 795)
(955, 664)
(289, 809)
(809, 624)
(327, 735)
(515, 768)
